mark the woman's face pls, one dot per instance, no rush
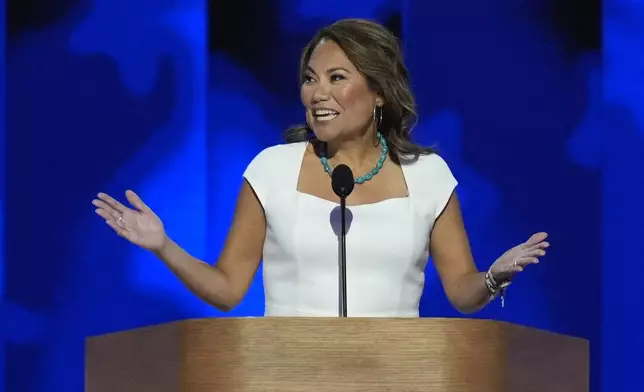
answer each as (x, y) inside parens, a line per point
(339, 104)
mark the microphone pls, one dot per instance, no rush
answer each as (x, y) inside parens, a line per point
(342, 183)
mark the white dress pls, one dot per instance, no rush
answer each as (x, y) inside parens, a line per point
(387, 243)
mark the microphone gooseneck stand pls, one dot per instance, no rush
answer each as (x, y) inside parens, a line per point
(342, 182)
(343, 257)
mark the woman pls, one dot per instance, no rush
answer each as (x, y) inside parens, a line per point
(359, 112)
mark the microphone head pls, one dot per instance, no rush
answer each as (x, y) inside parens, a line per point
(342, 181)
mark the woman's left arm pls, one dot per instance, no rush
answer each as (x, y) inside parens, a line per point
(449, 245)
(464, 285)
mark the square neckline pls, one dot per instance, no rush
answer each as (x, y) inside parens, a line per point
(335, 203)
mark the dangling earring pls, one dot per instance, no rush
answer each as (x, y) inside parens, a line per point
(377, 121)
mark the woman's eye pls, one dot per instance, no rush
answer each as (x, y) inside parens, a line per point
(307, 79)
(335, 78)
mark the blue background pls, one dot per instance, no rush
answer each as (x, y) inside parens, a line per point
(543, 130)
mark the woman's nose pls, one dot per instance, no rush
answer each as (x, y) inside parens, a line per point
(321, 92)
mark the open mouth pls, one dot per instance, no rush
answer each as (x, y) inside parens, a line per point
(325, 114)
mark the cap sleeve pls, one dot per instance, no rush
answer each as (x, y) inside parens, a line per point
(257, 175)
(273, 173)
(442, 185)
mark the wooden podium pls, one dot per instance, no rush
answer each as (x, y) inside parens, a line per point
(336, 355)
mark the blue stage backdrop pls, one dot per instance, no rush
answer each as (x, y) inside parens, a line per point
(623, 195)
(2, 195)
(103, 95)
(173, 99)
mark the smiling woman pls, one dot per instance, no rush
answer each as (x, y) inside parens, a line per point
(355, 59)
(359, 111)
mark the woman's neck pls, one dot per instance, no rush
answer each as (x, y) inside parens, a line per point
(355, 153)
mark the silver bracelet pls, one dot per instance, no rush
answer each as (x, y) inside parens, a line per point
(495, 288)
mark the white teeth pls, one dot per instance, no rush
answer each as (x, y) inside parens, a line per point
(327, 117)
(325, 114)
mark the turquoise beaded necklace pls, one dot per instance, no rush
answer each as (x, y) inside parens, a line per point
(374, 171)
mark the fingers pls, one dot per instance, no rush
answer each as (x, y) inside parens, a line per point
(107, 214)
(541, 245)
(112, 211)
(136, 201)
(105, 210)
(115, 222)
(524, 261)
(120, 230)
(110, 208)
(521, 256)
(534, 252)
(536, 239)
(112, 203)
(521, 263)
(117, 215)
(515, 269)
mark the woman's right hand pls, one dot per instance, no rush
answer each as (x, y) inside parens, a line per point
(141, 225)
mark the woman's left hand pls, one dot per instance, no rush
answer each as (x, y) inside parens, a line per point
(517, 258)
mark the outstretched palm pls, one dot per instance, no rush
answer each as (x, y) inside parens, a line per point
(519, 257)
(141, 225)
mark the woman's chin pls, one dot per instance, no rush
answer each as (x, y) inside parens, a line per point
(325, 136)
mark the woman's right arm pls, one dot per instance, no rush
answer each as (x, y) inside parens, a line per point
(225, 284)
(222, 285)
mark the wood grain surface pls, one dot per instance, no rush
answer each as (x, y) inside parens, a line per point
(336, 355)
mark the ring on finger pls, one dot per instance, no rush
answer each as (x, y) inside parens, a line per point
(121, 219)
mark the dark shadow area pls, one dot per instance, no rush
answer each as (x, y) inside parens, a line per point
(267, 50)
(28, 15)
(577, 23)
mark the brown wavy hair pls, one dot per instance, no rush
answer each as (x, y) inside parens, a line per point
(375, 53)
